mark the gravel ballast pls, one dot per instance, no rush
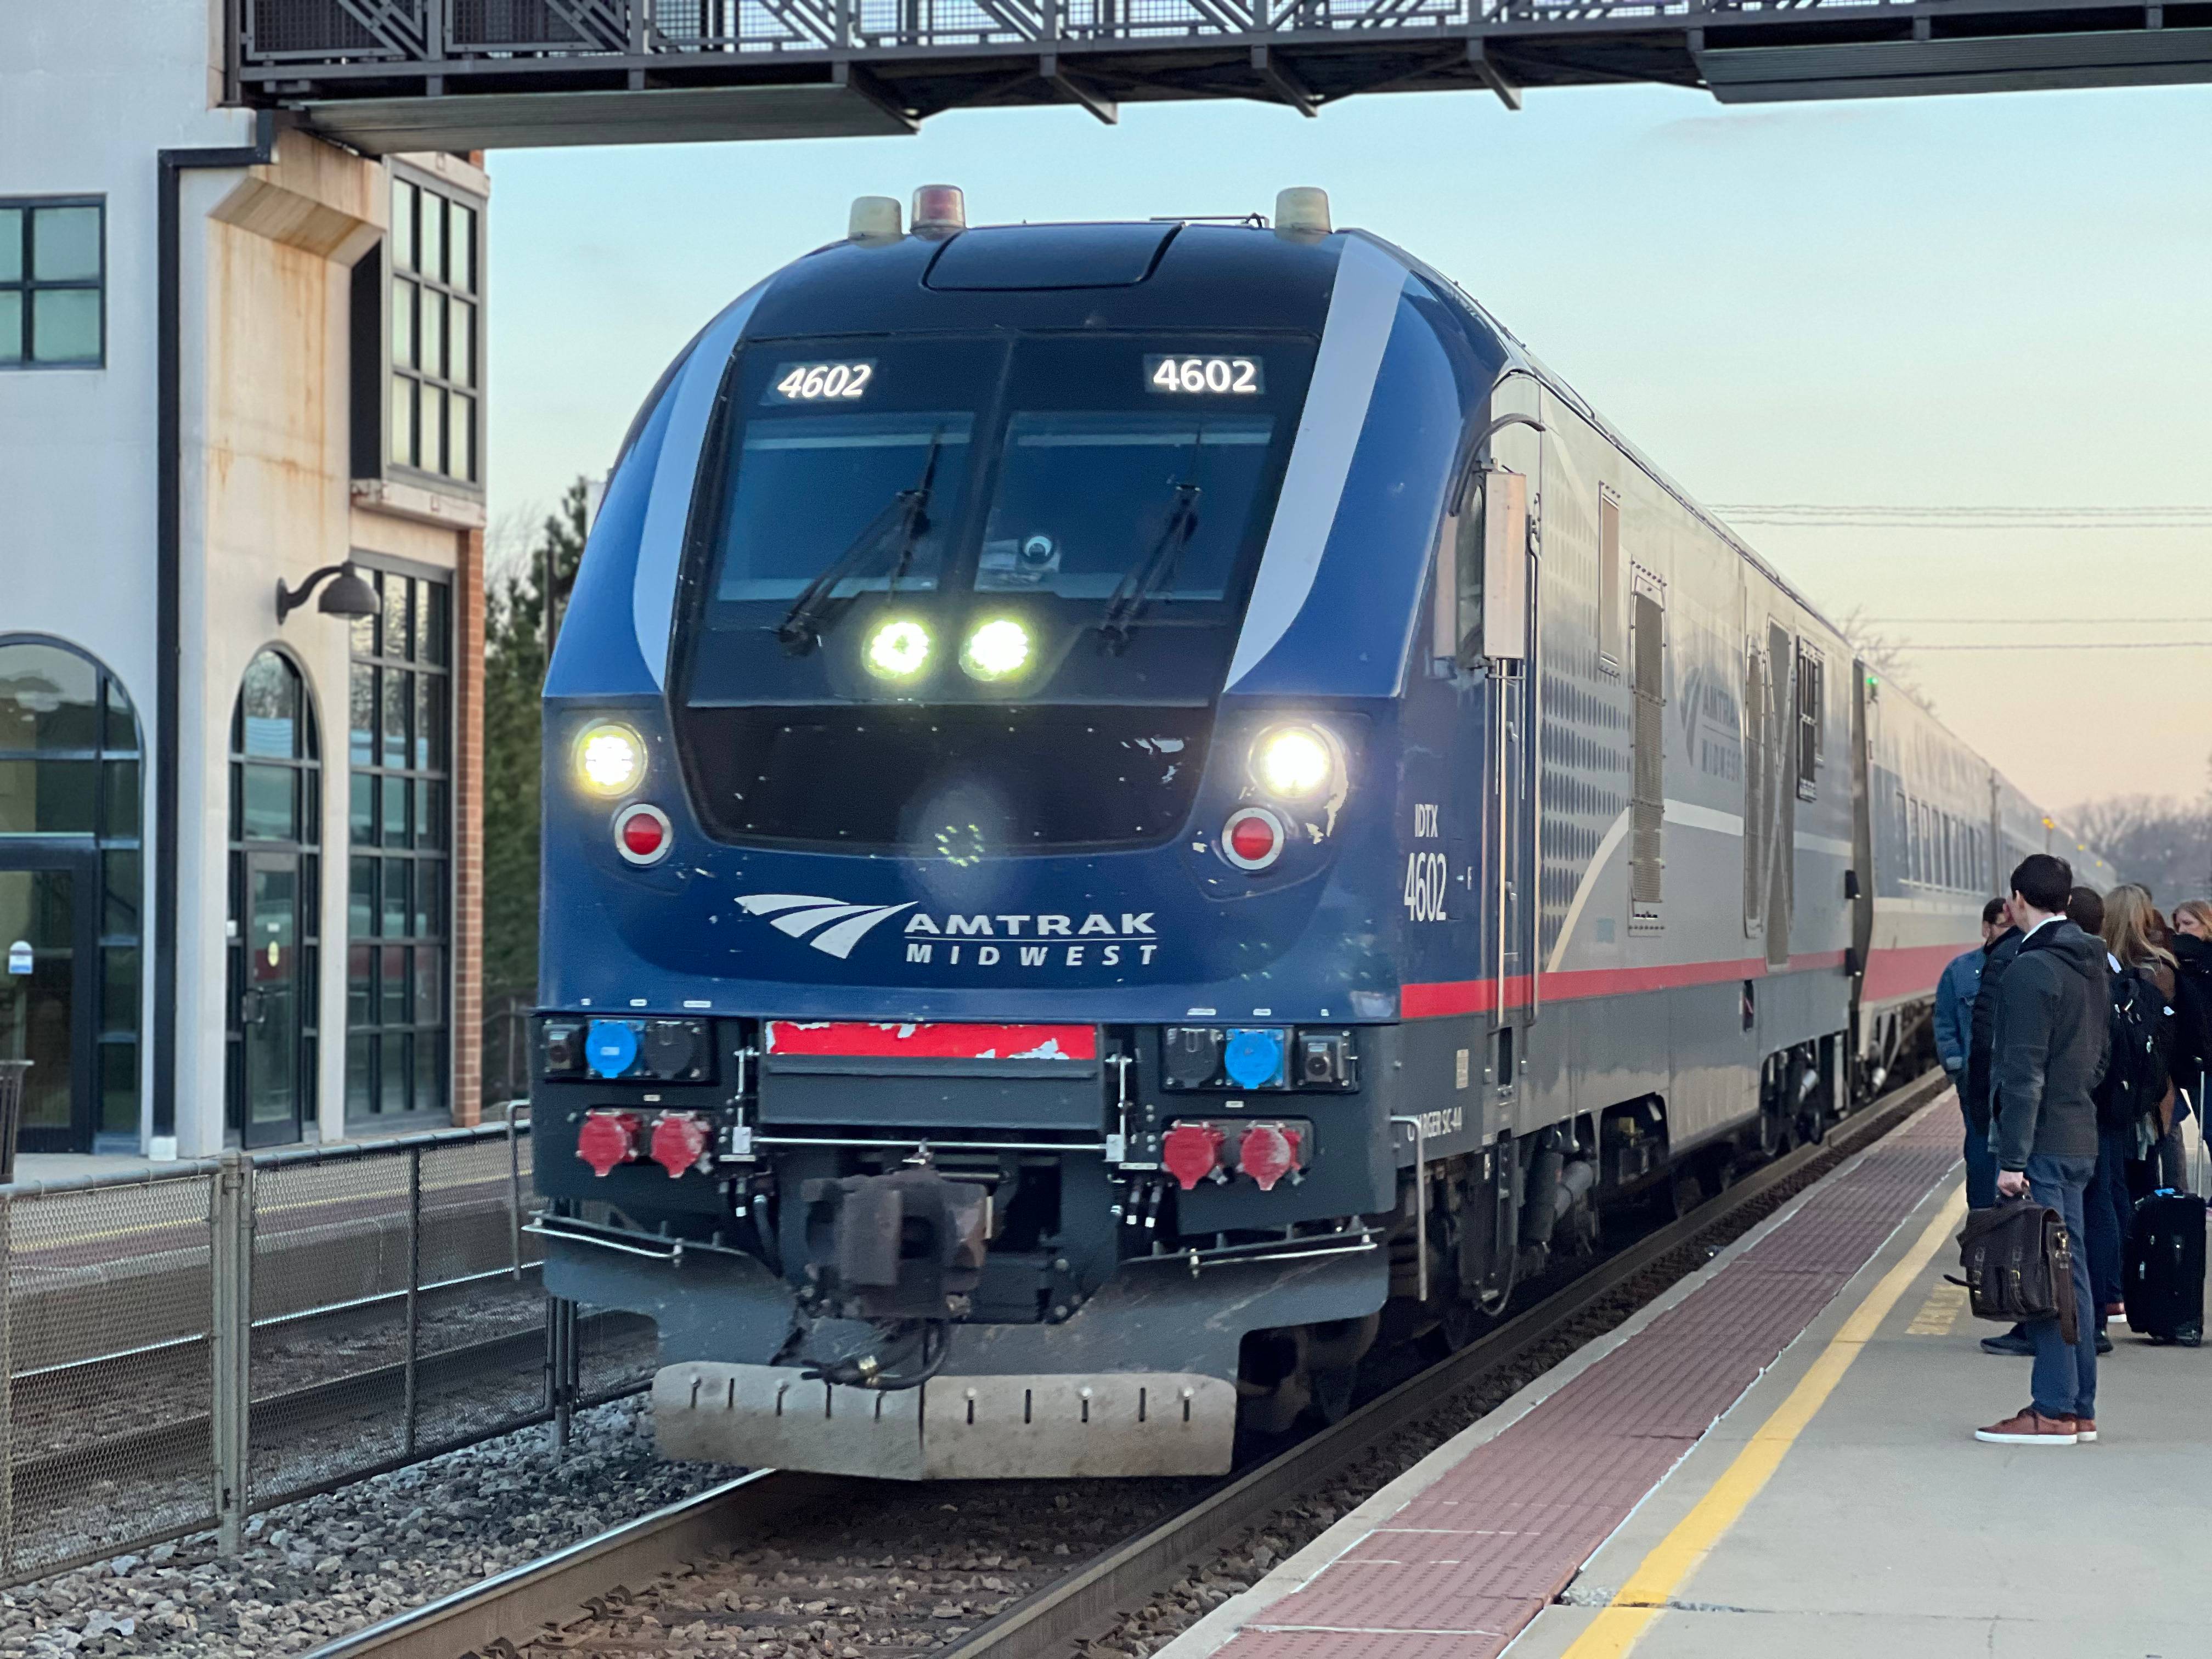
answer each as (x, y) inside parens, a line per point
(327, 1565)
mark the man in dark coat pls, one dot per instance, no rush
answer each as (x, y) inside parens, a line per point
(2052, 1019)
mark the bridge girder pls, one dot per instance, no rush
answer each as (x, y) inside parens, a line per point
(395, 75)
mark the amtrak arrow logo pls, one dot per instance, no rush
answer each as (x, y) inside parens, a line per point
(841, 925)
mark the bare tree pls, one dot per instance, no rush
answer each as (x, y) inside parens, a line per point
(2162, 842)
(1887, 656)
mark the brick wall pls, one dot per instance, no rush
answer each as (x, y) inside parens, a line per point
(468, 829)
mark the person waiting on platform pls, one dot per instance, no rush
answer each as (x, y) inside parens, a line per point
(2149, 948)
(1954, 1044)
(2051, 1019)
(1996, 957)
(2190, 941)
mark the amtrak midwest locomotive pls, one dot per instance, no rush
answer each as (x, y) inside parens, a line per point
(1132, 808)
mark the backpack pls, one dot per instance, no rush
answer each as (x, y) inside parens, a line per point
(2018, 1264)
(2141, 1033)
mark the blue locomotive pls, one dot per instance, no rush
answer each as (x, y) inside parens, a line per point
(1133, 808)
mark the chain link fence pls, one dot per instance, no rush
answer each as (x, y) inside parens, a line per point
(182, 1350)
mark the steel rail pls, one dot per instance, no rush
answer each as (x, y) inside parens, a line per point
(514, 1606)
(179, 1442)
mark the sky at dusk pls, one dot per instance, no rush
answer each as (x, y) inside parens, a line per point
(1986, 301)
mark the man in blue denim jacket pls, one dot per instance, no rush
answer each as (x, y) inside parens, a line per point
(1954, 1040)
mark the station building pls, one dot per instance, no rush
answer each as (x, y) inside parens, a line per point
(239, 839)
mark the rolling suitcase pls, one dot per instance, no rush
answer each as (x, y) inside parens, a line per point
(2164, 1280)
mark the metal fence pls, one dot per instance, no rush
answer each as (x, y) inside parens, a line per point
(508, 1033)
(179, 1351)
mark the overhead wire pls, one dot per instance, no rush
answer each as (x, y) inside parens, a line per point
(2178, 515)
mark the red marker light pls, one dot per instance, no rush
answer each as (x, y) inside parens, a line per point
(679, 1142)
(1252, 838)
(607, 1139)
(642, 835)
(1267, 1153)
(1191, 1152)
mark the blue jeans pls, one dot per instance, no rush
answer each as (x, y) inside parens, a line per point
(2111, 1212)
(2066, 1376)
(1981, 1164)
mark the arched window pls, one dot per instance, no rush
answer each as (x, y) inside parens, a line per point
(276, 888)
(71, 876)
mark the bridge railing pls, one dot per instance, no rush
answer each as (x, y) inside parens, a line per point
(407, 32)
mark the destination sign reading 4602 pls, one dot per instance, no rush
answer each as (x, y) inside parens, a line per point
(821, 383)
(1219, 377)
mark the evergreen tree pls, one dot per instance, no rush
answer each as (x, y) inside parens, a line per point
(516, 630)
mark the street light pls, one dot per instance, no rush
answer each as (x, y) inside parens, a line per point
(346, 596)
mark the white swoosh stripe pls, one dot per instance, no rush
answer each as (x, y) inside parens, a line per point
(799, 923)
(1690, 815)
(839, 941)
(1361, 309)
(1583, 889)
(767, 905)
(660, 543)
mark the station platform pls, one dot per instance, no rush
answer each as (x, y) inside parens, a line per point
(1777, 1457)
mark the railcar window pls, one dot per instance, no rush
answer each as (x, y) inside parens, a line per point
(1468, 549)
(1083, 498)
(807, 484)
(1810, 698)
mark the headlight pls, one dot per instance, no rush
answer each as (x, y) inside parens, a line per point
(898, 649)
(997, 650)
(1293, 762)
(610, 759)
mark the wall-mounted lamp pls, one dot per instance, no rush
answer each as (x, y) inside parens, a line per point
(347, 596)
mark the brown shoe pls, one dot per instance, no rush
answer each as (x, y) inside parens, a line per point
(2085, 1430)
(2030, 1427)
(2116, 1309)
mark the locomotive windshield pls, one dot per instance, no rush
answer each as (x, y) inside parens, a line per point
(1023, 536)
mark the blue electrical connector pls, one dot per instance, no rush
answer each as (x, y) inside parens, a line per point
(610, 1046)
(1258, 1057)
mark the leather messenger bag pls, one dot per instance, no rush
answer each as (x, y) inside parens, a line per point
(2018, 1264)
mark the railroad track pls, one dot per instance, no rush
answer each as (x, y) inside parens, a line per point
(1045, 1609)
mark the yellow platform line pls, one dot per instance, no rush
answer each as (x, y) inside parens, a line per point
(1623, 1620)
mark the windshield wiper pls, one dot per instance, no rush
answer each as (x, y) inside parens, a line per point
(1133, 592)
(897, 530)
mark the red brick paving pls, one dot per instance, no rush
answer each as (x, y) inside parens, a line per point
(1458, 1571)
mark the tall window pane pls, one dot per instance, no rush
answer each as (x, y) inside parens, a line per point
(461, 347)
(403, 421)
(436, 332)
(432, 235)
(404, 197)
(463, 261)
(403, 322)
(398, 1048)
